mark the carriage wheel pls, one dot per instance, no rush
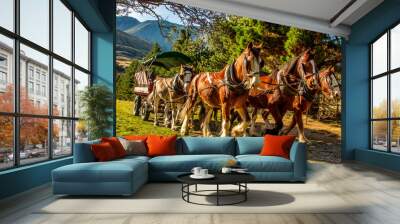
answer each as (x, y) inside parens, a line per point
(145, 111)
(136, 105)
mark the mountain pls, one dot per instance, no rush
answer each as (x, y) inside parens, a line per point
(126, 22)
(149, 30)
(131, 46)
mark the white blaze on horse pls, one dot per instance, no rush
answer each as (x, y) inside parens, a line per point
(172, 92)
(227, 89)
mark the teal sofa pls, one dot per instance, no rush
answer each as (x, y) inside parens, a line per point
(125, 176)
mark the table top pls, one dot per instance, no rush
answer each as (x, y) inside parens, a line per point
(220, 178)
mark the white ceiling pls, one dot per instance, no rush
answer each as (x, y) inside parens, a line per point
(327, 16)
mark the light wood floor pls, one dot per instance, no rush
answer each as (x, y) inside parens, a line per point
(379, 190)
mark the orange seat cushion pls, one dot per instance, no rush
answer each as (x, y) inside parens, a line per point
(277, 145)
(103, 152)
(161, 145)
(136, 137)
(116, 145)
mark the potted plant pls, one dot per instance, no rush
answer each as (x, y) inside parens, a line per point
(96, 102)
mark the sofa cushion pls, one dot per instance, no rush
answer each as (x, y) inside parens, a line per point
(249, 145)
(116, 145)
(136, 137)
(103, 152)
(161, 145)
(257, 163)
(277, 145)
(185, 163)
(112, 171)
(134, 147)
(206, 145)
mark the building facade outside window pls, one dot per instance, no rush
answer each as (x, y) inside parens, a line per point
(44, 117)
(385, 93)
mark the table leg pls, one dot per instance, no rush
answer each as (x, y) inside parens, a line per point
(245, 193)
(188, 190)
(217, 194)
(195, 188)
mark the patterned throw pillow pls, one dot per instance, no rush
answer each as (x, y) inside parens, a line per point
(134, 147)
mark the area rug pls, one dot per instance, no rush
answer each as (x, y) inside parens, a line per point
(166, 198)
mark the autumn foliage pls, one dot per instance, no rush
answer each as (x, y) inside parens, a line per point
(33, 131)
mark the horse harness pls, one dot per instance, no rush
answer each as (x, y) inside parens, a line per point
(231, 81)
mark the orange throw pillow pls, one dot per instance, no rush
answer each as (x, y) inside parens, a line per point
(116, 145)
(161, 145)
(277, 145)
(103, 152)
(135, 137)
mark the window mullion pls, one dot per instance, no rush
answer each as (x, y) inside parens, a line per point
(16, 84)
(50, 81)
(389, 104)
(73, 82)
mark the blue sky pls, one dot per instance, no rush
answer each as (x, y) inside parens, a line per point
(162, 11)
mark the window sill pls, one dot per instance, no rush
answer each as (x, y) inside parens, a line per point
(30, 166)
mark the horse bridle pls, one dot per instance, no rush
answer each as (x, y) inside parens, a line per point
(188, 74)
(245, 71)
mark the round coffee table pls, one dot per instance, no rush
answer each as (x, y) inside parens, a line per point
(238, 179)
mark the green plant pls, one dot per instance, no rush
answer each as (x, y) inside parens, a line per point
(97, 103)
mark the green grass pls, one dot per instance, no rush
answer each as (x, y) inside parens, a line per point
(127, 124)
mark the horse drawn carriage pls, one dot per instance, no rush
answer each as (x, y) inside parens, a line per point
(145, 80)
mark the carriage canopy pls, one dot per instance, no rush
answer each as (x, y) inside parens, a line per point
(168, 60)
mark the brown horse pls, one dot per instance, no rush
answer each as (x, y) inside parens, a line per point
(274, 91)
(325, 82)
(172, 91)
(227, 89)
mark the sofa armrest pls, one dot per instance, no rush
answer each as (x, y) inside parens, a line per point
(298, 155)
(83, 152)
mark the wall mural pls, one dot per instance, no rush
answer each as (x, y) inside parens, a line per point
(189, 71)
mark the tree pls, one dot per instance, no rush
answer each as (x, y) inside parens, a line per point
(97, 104)
(126, 81)
(33, 131)
(325, 48)
(155, 49)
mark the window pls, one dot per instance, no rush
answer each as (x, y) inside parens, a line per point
(62, 74)
(62, 140)
(6, 142)
(7, 14)
(47, 77)
(385, 95)
(62, 29)
(81, 82)
(38, 89)
(35, 21)
(37, 75)
(30, 72)
(81, 45)
(44, 91)
(3, 78)
(6, 73)
(30, 87)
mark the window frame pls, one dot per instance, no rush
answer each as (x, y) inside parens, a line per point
(388, 74)
(16, 114)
